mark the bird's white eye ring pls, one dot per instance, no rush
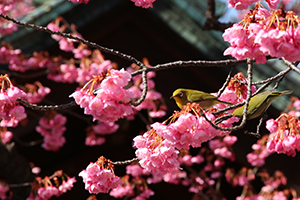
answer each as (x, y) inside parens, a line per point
(180, 94)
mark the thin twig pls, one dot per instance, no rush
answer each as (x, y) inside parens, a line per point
(261, 120)
(291, 65)
(126, 162)
(20, 185)
(70, 112)
(27, 76)
(271, 79)
(46, 107)
(27, 144)
(66, 35)
(221, 90)
(145, 89)
(191, 63)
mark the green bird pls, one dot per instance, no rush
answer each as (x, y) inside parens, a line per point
(259, 104)
(205, 100)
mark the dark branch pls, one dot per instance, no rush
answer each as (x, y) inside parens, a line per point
(126, 162)
(46, 107)
(191, 63)
(90, 44)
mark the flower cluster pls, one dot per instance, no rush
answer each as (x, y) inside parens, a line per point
(223, 147)
(153, 102)
(134, 184)
(52, 128)
(91, 62)
(15, 9)
(106, 99)
(263, 33)
(5, 135)
(36, 92)
(80, 1)
(65, 44)
(55, 185)
(243, 177)
(188, 130)
(95, 133)
(18, 61)
(236, 91)
(272, 186)
(4, 191)
(10, 110)
(99, 177)
(284, 137)
(156, 154)
(144, 3)
(260, 152)
(244, 4)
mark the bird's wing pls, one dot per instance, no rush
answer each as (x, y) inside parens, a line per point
(201, 96)
(261, 97)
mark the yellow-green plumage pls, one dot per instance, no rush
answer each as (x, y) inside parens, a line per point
(259, 103)
(205, 100)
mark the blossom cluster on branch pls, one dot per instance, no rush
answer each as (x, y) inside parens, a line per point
(165, 151)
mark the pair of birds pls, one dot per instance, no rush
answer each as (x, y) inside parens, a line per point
(257, 104)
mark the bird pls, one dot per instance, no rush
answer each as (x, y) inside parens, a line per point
(205, 100)
(259, 103)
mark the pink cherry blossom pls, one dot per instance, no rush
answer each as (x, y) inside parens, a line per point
(104, 128)
(36, 92)
(92, 140)
(136, 170)
(297, 104)
(67, 185)
(144, 195)
(5, 136)
(66, 73)
(240, 4)
(48, 192)
(10, 110)
(260, 152)
(261, 34)
(3, 191)
(98, 179)
(52, 130)
(272, 3)
(80, 1)
(109, 101)
(120, 191)
(285, 139)
(15, 9)
(155, 154)
(144, 3)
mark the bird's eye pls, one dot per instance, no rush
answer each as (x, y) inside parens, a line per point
(180, 94)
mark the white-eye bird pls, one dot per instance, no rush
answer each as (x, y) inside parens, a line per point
(259, 104)
(205, 100)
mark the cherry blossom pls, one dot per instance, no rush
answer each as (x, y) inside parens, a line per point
(260, 152)
(144, 3)
(156, 154)
(106, 99)
(284, 137)
(80, 1)
(266, 35)
(11, 112)
(99, 177)
(5, 135)
(52, 127)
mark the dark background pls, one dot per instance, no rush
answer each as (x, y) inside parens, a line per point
(140, 33)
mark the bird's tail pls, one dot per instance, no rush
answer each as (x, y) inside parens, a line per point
(286, 92)
(225, 102)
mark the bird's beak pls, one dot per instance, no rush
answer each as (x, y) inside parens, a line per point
(171, 97)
